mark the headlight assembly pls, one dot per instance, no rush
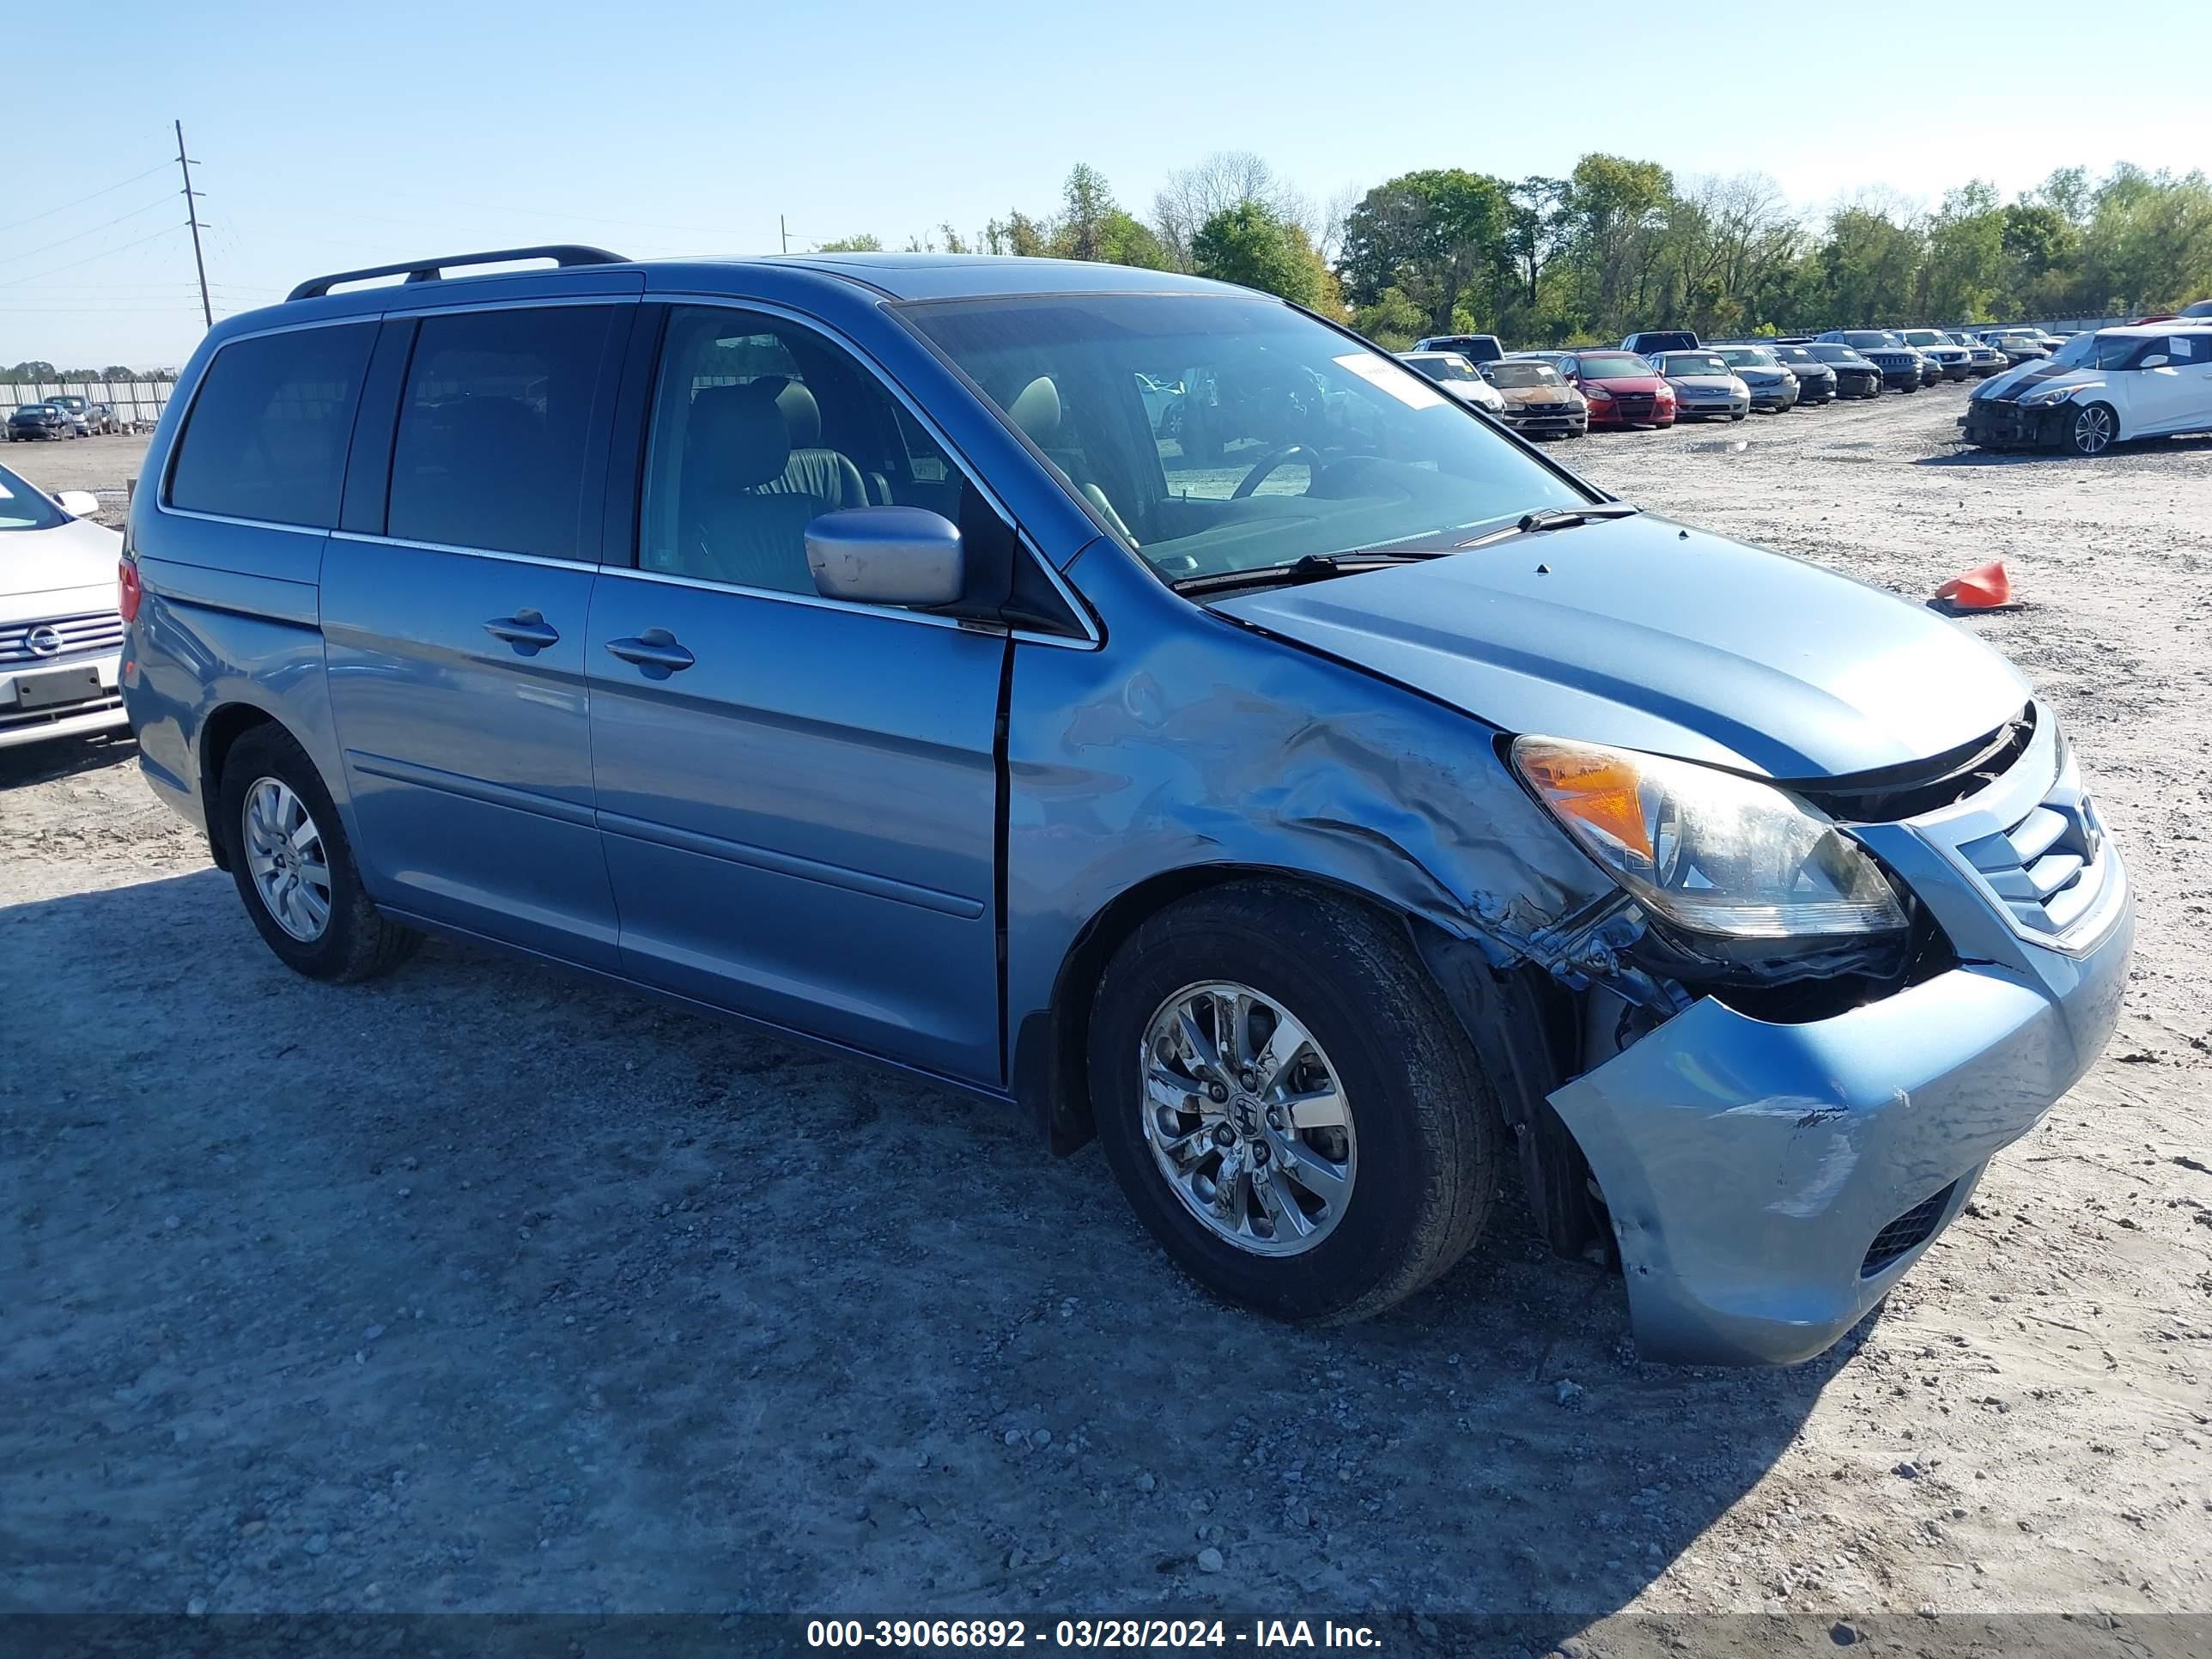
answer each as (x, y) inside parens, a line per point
(1713, 852)
(2059, 394)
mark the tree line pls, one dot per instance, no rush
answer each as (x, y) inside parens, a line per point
(35, 372)
(1620, 244)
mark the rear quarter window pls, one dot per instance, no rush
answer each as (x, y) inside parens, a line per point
(267, 434)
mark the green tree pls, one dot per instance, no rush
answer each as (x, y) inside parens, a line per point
(1965, 270)
(1615, 212)
(1393, 322)
(1017, 234)
(861, 244)
(1441, 237)
(1249, 244)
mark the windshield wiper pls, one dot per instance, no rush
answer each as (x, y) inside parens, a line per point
(1553, 518)
(1312, 568)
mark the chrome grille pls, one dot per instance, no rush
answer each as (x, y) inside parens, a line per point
(2048, 868)
(77, 636)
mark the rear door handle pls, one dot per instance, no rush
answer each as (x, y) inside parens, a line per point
(526, 630)
(655, 651)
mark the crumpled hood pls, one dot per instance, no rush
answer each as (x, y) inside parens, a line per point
(1638, 633)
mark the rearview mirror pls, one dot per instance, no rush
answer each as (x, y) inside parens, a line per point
(886, 555)
(77, 503)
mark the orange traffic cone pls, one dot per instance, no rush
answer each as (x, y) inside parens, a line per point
(1986, 588)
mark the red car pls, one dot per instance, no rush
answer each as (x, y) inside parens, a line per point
(1622, 388)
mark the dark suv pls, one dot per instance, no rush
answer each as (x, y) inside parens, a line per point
(1477, 349)
(1653, 341)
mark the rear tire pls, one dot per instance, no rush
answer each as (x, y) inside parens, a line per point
(1416, 1162)
(314, 913)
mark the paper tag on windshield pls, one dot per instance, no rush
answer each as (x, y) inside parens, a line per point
(1407, 387)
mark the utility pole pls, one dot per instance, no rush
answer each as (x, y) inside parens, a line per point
(783, 228)
(192, 217)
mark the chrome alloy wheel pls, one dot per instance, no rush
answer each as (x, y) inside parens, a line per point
(1246, 1118)
(2092, 430)
(284, 855)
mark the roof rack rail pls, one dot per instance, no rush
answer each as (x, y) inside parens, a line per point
(431, 270)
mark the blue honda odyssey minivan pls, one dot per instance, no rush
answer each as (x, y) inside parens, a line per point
(1142, 701)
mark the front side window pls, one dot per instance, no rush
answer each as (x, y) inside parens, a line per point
(758, 427)
(267, 434)
(493, 425)
(1217, 434)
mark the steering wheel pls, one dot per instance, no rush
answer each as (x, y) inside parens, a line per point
(1267, 463)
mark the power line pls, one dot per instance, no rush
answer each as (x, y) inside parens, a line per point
(39, 276)
(45, 247)
(81, 200)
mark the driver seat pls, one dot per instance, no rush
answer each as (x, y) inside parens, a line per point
(1037, 410)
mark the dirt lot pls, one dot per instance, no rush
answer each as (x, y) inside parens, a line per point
(481, 1288)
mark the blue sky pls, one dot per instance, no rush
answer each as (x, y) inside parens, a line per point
(337, 136)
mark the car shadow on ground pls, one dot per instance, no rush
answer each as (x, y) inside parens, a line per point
(61, 757)
(482, 1286)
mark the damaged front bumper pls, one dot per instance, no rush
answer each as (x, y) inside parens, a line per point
(1769, 1182)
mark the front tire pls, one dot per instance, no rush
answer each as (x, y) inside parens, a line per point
(2090, 430)
(295, 873)
(1289, 1103)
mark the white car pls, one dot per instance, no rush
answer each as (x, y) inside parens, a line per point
(61, 638)
(2145, 381)
(1455, 374)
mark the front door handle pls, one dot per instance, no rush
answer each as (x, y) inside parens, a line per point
(655, 651)
(526, 630)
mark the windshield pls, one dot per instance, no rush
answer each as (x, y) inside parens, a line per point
(2098, 351)
(22, 507)
(1749, 358)
(1445, 365)
(1835, 353)
(1284, 438)
(1921, 336)
(1613, 366)
(1693, 362)
(1792, 355)
(1865, 337)
(1518, 375)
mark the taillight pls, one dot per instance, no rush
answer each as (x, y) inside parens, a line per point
(128, 592)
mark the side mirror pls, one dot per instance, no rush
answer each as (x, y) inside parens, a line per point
(77, 503)
(887, 555)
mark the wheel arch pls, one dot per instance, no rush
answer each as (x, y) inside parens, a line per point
(219, 734)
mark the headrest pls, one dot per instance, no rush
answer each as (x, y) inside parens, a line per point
(802, 416)
(1036, 410)
(738, 432)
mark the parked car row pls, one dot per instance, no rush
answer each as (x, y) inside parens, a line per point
(64, 417)
(1657, 376)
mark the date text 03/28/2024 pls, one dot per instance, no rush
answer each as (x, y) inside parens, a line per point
(1011, 1633)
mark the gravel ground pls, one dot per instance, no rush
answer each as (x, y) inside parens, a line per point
(482, 1288)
